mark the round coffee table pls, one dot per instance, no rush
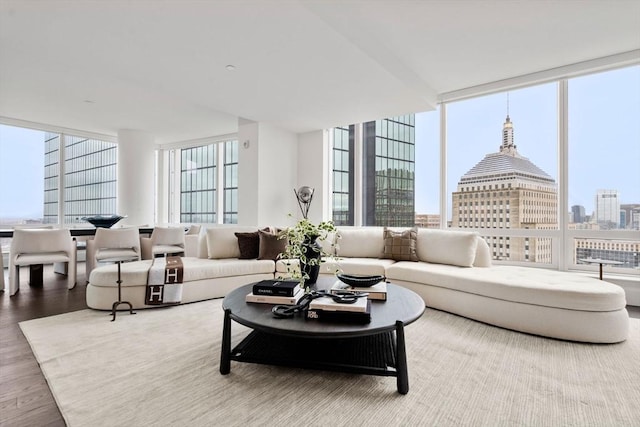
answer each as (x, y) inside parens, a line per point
(376, 348)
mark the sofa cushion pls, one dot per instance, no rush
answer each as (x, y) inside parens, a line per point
(360, 242)
(222, 241)
(135, 273)
(527, 285)
(447, 247)
(329, 244)
(483, 254)
(400, 245)
(271, 245)
(369, 266)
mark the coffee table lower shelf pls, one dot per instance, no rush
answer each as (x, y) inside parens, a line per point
(370, 355)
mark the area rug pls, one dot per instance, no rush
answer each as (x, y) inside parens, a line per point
(159, 367)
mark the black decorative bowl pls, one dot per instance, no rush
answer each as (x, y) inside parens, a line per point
(102, 221)
(359, 280)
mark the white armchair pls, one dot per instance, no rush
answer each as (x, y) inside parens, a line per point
(109, 243)
(41, 246)
(163, 241)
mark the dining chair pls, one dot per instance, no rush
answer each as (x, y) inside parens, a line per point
(109, 243)
(163, 241)
(41, 246)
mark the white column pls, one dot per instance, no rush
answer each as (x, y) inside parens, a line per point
(136, 177)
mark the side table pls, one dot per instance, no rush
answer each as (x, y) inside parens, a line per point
(119, 260)
(601, 262)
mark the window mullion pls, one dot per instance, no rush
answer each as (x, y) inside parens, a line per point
(564, 248)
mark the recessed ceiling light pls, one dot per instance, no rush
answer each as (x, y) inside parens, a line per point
(230, 67)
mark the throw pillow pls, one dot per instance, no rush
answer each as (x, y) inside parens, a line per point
(249, 245)
(360, 242)
(447, 247)
(270, 245)
(400, 245)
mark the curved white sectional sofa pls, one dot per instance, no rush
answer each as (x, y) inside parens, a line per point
(453, 273)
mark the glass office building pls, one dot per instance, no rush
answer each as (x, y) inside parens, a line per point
(388, 172)
(89, 174)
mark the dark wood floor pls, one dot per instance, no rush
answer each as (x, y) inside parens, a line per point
(25, 398)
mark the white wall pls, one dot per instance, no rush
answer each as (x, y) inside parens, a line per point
(267, 174)
(313, 170)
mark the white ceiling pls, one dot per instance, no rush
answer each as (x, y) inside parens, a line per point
(159, 66)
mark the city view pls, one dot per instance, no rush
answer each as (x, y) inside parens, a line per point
(501, 172)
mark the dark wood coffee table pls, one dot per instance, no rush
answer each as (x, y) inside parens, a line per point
(377, 348)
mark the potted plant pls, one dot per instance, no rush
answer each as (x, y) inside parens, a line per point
(303, 241)
(303, 245)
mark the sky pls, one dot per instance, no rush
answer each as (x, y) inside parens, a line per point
(21, 173)
(604, 143)
(604, 137)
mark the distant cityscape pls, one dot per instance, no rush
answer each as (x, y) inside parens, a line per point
(506, 190)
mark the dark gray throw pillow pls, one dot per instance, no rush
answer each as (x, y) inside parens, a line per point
(249, 245)
(271, 245)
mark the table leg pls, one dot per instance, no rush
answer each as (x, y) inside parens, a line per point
(225, 352)
(401, 355)
(600, 271)
(117, 303)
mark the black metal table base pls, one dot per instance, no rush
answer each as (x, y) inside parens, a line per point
(115, 306)
(381, 354)
(117, 303)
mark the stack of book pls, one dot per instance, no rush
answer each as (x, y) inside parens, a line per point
(276, 292)
(376, 292)
(326, 309)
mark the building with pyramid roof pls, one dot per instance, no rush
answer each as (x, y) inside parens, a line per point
(507, 190)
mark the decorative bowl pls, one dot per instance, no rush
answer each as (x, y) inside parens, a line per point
(359, 280)
(103, 221)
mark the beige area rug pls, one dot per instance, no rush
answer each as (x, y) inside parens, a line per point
(160, 368)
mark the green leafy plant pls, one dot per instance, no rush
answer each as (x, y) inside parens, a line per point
(302, 245)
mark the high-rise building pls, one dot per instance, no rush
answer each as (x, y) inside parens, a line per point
(428, 220)
(631, 215)
(506, 190)
(607, 209)
(388, 172)
(578, 214)
(89, 176)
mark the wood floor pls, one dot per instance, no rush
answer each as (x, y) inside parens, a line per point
(25, 398)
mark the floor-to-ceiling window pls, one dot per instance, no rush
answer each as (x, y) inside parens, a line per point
(40, 190)
(231, 182)
(198, 184)
(208, 183)
(548, 173)
(343, 175)
(502, 170)
(604, 168)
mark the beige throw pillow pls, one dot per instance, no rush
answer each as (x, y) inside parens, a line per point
(400, 245)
